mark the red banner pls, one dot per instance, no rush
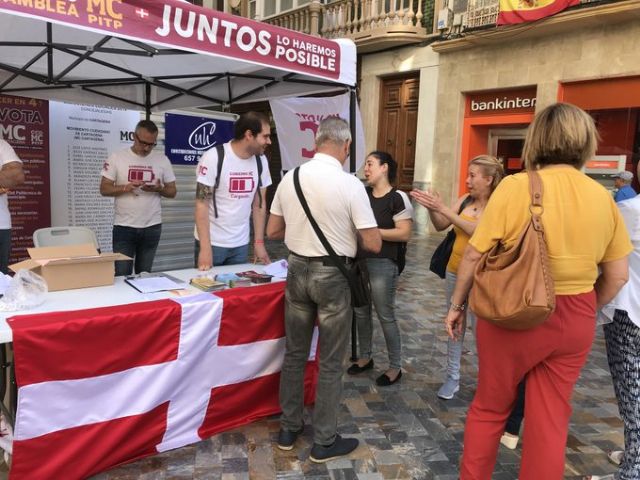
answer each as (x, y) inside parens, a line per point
(24, 124)
(177, 24)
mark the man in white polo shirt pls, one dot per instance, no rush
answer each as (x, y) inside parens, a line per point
(11, 176)
(315, 286)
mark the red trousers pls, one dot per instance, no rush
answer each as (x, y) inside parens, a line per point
(551, 356)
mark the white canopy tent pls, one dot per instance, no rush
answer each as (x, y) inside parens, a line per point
(157, 55)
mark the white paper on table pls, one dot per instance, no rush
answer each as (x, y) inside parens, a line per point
(277, 269)
(154, 284)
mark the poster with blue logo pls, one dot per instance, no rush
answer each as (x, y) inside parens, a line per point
(187, 137)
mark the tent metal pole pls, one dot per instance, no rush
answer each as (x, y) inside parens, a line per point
(352, 169)
(49, 52)
(147, 100)
(352, 125)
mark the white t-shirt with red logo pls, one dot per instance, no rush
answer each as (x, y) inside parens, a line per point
(7, 155)
(138, 209)
(234, 195)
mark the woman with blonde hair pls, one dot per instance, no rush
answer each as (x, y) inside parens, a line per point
(484, 175)
(587, 246)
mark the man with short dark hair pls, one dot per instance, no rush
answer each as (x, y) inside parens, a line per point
(11, 176)
(137, 177)
(316, 288)
(229, 191)
(622, 181)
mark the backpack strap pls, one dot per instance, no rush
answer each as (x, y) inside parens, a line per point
(259, 165)
(220, 151)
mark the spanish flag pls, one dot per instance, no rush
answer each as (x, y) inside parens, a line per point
(520, 11)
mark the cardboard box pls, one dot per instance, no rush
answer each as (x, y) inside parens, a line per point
(71, 266)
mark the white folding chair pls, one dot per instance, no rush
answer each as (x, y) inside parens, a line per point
(56, 236)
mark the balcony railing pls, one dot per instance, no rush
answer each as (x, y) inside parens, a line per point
(481, 13)
(372, 24)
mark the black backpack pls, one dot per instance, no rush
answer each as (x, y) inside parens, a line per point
(220, 150)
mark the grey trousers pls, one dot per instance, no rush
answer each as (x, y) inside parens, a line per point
(314, 292)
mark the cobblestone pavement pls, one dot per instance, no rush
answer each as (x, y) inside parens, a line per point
(406, 432)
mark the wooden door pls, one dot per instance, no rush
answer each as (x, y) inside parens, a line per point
(398, 124)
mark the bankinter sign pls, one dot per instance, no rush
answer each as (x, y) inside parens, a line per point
(502, 102)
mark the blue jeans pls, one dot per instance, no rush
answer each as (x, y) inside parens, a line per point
(314, 292)
(454, 347)
(224, 255)
(383, 277)
(5, 250)
(137, 243)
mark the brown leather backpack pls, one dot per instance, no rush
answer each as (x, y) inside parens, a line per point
(513, 288)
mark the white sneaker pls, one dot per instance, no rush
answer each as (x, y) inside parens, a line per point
(615, 456)
(448, 389)
(510, 441)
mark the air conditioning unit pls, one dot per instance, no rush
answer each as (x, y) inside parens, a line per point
(459, 19)
(443, 18)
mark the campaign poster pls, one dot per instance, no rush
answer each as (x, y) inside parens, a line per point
(187, 137)
(24, 124)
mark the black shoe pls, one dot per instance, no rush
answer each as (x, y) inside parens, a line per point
(384, 381)
(286, 439)
(339, 448)
(356, 369)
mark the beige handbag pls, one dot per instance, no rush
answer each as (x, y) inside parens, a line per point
(513, 288)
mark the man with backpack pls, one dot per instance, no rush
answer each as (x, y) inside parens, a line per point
(232, 184)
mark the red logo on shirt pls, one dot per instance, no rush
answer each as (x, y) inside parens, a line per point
(202, 170)
(241, 184)
(141, 175)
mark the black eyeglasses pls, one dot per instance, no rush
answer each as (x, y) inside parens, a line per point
(146, 144)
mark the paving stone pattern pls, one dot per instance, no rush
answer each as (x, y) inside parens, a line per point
(406, 432)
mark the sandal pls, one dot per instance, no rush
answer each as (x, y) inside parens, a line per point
(609, 476)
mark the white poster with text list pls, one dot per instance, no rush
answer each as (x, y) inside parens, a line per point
(81, 139)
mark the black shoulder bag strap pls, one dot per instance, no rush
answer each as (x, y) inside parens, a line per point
(464, 203)
(316, 228)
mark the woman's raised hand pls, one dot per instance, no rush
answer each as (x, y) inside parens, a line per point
(428, 199)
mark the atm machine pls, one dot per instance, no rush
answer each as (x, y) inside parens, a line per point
(602, 167)
(506, 145)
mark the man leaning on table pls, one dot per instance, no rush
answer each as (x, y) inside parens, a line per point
(315, 286)
(228, 195)
(11, 176)
(137, 177)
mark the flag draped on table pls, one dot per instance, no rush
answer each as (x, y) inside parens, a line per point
(106, 386)
(520, 11)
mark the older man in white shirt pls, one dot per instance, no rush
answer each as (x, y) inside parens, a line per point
(316, 288)
(622, 336)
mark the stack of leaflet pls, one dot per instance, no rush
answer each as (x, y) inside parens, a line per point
(207, 284)
(255, 277)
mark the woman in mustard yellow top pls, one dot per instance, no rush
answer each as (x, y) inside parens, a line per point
(588, 247)
(484, 175)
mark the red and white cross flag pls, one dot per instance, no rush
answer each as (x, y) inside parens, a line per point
(106, 386)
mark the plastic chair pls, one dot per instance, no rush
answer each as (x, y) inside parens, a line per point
(56, 236)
